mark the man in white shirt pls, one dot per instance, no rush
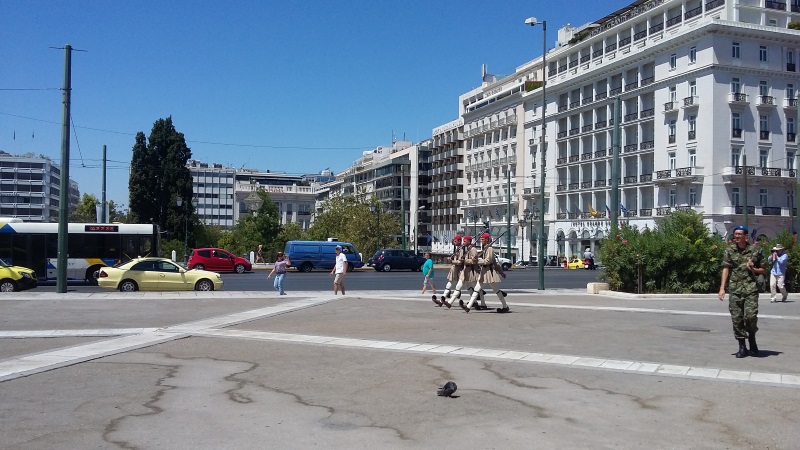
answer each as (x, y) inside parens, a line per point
(339, 270)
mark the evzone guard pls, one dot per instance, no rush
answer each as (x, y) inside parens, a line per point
(463, 271)
(454, 273)
(489, 272)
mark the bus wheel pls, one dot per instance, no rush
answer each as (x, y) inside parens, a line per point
(8, 286)
(306, 267)
(128, 286)
(91, 275)
(204, 285)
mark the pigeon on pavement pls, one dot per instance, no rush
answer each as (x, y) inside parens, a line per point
(447, 390)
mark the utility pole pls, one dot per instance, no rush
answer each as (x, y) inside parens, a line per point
(103, 218)
(403, 203)
(63, 206)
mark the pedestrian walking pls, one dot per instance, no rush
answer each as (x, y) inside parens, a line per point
(777, 275)
(339, 271)
(260, 255)
(281, 263)
(427, 272)
(741, 265)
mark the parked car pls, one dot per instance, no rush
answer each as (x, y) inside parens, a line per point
(218, 260)
(388, 259)
(505, 263)
(309, 255)
(16, 278)
(157, 274)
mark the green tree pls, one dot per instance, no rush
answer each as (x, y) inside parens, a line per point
(86, 212)
(207, 235)
(288, 232)
(159, 177)
(251, 230)
(350, 219)
(115, 214)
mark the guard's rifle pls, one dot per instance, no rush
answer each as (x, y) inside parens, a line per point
(499, 267)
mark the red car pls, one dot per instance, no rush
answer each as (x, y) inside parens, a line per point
(218, 260)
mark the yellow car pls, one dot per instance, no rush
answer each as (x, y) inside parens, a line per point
(156, 274)
(575, 264)
(16, 278)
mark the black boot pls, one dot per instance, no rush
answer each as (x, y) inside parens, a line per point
(504, 293)
(742, 349)
(753, 347)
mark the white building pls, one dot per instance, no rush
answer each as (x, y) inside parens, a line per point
(30, 188)
(703, 86)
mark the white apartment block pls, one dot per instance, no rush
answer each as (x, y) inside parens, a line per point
(709, 115)
(30, 188)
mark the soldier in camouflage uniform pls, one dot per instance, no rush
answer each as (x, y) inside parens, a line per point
(741, 266)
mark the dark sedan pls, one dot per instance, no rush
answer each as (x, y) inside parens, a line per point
(389, 259)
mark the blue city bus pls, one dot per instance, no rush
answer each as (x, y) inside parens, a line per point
(90, 246)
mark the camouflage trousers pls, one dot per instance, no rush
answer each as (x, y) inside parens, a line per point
(744, 314)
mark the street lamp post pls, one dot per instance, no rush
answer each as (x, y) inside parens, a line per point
(532, 21)
(529, 217)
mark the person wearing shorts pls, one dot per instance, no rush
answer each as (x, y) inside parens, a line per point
(427, 272)
(339, 271)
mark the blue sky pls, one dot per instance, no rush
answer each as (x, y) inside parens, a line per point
(290, 86)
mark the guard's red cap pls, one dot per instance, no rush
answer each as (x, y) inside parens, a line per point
(467, 238)
(457, 237)
(485, 236)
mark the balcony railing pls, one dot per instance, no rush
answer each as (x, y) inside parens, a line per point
(790, 67)
(599, 53)
(585, 58)
(738, 97)
(574, 158)
(600, 153)
(573, 64)
(562, 108)
(692, 135)
(586, 185)
(661, 174)
(740, 210)
(649, 112)
(630, 179)
(646, 145)
(624, 41)
(573, 215)
(693, 12)
(600, 124)
(791, 103)
(552, 72)
(646, 212)
(587, 100)
(561, 216)
(766, 100)
(562, 68)
(630, 148)
(632, 116)
(763, 135)
(640, 35)
(611, 47)
(740, 170)
(775, 5)
(575, 104)
(674, 21)
(771, 210)
(586, 128)
(600, 183)
(561, 160)
(736, 132)
(689, 101)
(663, 211)
(714, 4)
(669, 106)
(633, 85)
(683, 172)
(791, 137)
(573, 186)
(561, 134)
(657, 27)
(600, 96)
(585, 156)
(671, 139)
(615, 91)
(771, 171)
(644, 178)
(648, 80)
(573, 131)
(561, 187)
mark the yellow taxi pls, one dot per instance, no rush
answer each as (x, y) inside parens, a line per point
(157, 274)
(16, 278)
(575, 264)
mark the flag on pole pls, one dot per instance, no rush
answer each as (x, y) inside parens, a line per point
(608, 211)
(623, 208)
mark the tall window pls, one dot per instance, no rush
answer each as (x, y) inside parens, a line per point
(692, 158)
(790, 125)
(790, 91)
(673, 194)
(735, 51)
(692, 88)
(672, 127)
(762, 53)
(673, 94)
(790, 160)
(736, 124)
(735, 196)
(736, 85)
(672, 164)
(692, 196)
(692, 55)
(763, 198)
(763, 123)
(736, 154)
(790, 56)
(673, 61)
(692, 124)
(763, 89)
(763, 157)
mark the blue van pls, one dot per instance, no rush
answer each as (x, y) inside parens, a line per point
(309, 255)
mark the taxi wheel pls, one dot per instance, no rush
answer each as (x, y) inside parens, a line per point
(128, 286)
(204, 285)
(8, 286)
